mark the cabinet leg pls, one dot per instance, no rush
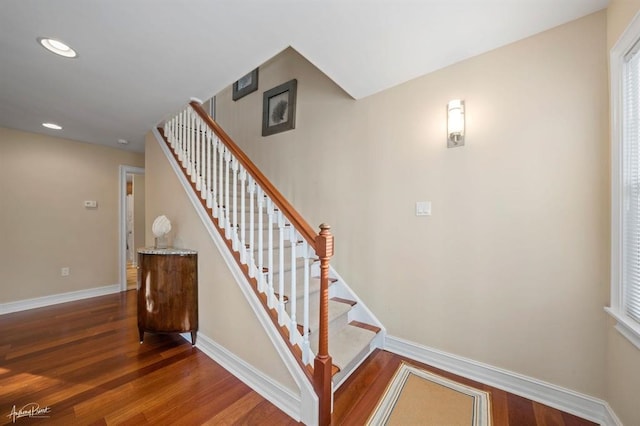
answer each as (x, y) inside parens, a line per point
(193, 337)
(141, 332)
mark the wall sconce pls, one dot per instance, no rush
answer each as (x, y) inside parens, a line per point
(455, 123)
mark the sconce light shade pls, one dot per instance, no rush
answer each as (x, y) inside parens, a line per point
(455, 123)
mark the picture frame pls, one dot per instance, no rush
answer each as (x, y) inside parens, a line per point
(279, 108)
(245, 85)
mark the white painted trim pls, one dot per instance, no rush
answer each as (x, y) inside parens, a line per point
(309, 411)
(581, 405)
(628, 327)
(610, 417)
(281, 397)
(54, 299)
(122, 222)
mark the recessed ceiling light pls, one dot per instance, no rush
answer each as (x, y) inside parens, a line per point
(53, 126)
(123, 141)
(57, 47)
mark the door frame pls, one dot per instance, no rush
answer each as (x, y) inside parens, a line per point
(122, 221)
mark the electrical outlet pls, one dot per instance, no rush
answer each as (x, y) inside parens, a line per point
(65, 271)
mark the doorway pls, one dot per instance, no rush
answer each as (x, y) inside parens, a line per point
(132, 223)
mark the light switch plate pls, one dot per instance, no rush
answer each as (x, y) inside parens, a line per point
(423, 208)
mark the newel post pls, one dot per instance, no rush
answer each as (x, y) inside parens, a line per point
(322, 364)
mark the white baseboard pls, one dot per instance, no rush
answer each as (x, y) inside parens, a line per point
(581, 405)
(54, 299)
(278, 395)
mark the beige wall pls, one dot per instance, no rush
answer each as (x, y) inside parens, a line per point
(224, 314)
(512, 268)
(44, 225)
(623, 359)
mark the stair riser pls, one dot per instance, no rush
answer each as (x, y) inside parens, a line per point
(336, 324)
(265, 236)
(314, 285)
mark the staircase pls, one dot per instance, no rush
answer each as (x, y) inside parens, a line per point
(284, 261)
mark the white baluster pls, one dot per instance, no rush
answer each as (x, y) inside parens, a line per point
(173, 126)
(165, 129)
(202, 159)
(178, 134)
(306, 348)
(181, 135)
(234, 223)
(167, 133)
(270, 295)
(168, 130)
(187, 151)
(190, 139)
(214, 176)
(293, 240)
(208, 167)
(204, 138)
(243, 222)
(252, 260)
(187, 126)
(221, 217)
(187, 146)
(281, 268)
(197, 163)
(192, 145)
(260, 202)
(227, 205)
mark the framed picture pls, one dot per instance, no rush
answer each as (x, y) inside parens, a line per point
(246, 85)
(279, 108)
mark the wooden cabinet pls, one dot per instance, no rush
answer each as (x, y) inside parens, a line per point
(167, 291)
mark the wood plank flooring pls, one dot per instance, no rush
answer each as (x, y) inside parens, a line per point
(132, 276)
(83, 361)
(357, 397)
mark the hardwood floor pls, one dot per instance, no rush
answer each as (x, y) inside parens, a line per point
(83, 361)
(357, 397)
(132, 276)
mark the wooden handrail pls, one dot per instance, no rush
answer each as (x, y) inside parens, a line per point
(284, 206)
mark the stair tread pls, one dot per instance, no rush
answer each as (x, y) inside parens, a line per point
(346, 343)
(347, 301)
(366, 326)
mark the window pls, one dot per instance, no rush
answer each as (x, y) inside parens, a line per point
(625, 179)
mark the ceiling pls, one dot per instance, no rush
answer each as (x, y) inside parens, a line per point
(140, 60)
